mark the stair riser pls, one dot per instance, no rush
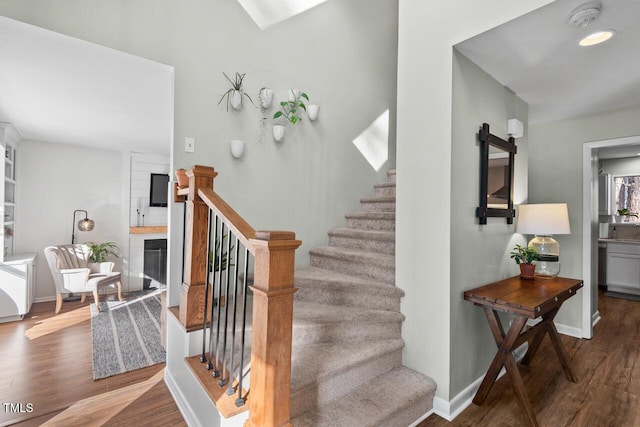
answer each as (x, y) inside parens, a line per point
(371, 245)
(378, 206)
(347, 298)
(359, 269)
(385, 191)
(344, 332)
(309, 397)
(372, 224)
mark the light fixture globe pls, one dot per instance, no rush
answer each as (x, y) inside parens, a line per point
(86, 224)
(544, 220)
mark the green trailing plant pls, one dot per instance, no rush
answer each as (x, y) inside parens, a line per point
(524, 255)
(625, 212)
(98, 252)
(214, 257)
(290, 109)
(236, 85)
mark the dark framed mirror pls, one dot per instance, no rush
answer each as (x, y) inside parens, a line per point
(496, 176)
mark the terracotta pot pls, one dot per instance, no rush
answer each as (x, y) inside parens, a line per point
(527, 271)
(183, 179)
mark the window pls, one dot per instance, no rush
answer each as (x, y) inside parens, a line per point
(627, 194)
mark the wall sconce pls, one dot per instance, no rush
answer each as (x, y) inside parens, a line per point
(237, 148)
(312, 111)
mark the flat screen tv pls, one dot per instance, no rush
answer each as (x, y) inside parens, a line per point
(159, 190)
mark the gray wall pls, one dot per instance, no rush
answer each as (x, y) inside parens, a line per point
(479, 253)
(53, 181)
(555, 175)
(624, 166)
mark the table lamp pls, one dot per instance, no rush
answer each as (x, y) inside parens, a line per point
(543, 221)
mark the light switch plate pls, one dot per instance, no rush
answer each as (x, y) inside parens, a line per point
(190, 145)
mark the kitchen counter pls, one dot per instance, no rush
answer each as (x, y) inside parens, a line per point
(626, 241)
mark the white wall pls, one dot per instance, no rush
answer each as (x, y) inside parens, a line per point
(142, 166)
(483, 250)
(53, 181)
(427, 33)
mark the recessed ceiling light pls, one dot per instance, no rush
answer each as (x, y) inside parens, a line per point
(596, 38)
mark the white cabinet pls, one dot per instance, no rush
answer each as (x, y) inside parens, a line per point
(17, 286)
(623, 268)
(605, 204)
(9, 139)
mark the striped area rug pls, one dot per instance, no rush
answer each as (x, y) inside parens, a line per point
(126, 335)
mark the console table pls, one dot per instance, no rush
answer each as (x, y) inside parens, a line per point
(525, 299)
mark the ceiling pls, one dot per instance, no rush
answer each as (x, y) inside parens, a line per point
(538, 58)
(60, 89)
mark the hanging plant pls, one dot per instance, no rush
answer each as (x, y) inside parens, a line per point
(290, 110)
(235, 93)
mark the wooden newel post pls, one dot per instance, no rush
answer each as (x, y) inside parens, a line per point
(195, 247)
(270, 393)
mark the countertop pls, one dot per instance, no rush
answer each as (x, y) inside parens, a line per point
(626, 241)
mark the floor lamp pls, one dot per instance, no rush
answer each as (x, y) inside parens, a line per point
(85, 224)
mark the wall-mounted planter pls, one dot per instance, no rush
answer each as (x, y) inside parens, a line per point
(236, 99)
(266, 97)
(294, 94)
(312, 111)
(278, 132)
(237, 148)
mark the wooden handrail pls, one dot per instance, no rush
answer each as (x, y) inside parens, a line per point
(240, 228)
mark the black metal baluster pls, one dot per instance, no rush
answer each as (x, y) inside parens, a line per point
(203, 356)
(241, 400)
(216, 372)
(211, 255)
(223, 381)
(230, 389)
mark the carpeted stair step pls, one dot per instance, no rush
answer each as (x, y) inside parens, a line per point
(329, 287)
(368, 240)
(384, 221)
(324, 372)
(397, 398)
(320, 323)
(375, 266)
(385, 189)
(378, 204)
(392, 175)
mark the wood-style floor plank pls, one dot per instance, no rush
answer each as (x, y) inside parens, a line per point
(45, 360)
(608, 371)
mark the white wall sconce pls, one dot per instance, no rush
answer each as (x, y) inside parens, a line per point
(266, 97)
(278, 132)
(237, 148)
(515, 128)
(312, 111)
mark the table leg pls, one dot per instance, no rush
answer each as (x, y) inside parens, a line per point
(562, 353)
(535, 342)
(518, 388)
(505, 346)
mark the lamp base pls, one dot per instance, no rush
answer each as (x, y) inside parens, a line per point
(71, 298)
(548, 258)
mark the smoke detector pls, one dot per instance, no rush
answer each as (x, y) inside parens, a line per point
(584, 14)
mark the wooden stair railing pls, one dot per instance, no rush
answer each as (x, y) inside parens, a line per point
(274, 259)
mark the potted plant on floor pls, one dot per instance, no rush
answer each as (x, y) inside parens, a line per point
(525, 257)
(98, 253)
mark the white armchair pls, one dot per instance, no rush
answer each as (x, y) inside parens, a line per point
(72, 273)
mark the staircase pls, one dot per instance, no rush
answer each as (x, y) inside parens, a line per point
(347, 347)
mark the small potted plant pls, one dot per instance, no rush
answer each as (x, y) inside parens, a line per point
(98, 253)
(289, 110)
(235, 93)
(626, 214)
(525, 257)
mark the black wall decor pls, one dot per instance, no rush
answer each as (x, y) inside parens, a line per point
(496, 176)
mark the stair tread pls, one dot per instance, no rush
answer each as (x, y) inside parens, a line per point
(381, 259)
(378, 199)
(371, 215)
(385, 184)
(334, 280)
(364, 233)
(309, 313)
(313, 363)
(374, 403)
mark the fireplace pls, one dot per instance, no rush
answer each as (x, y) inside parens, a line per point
(155, 263)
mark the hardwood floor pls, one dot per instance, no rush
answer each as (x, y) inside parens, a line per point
(608, 388)
(45, 361)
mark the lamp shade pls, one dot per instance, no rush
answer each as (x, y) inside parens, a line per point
(86, 224)
(543, 219)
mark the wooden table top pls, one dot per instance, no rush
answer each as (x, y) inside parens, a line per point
(531, 298)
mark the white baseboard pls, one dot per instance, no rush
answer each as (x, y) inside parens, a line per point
(181, 402)
(45, 299)
(421, 419)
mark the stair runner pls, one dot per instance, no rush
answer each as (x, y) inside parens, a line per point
(347, 347)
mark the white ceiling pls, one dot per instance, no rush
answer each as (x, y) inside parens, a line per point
(60, 89)
(538, 58)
